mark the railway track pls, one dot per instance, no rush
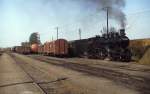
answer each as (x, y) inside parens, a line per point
(14, 80)
(48, 81)
(119, 75)
(42, 81)
(22, 65)
(91, 62)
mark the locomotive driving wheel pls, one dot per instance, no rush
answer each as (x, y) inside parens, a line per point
(126, 57)
(101, 54)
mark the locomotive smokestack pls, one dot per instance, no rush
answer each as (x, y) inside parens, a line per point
(122, 32)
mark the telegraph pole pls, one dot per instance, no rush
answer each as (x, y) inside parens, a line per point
(79, 33)
(58, 40)
(57, 32)
(52, 38)
(107, 21)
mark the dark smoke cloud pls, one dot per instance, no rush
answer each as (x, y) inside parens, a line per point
(115, 9)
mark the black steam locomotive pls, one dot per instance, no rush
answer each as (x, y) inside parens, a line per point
(112, 45)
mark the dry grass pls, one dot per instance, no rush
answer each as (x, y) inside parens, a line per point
(146, 58)
(139, 43)
(139, 47)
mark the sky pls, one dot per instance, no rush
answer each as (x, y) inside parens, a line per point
(20, 18)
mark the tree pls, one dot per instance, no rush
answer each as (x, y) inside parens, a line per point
(34, 38)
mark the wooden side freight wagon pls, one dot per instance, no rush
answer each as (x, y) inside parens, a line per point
(22, 49)
(41, 49)
(56, 48)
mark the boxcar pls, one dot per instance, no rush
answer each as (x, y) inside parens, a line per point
(46, 48)
(22, 49)
(40, 49)
(56, 48)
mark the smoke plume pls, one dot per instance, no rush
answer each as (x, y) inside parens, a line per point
(114, 9)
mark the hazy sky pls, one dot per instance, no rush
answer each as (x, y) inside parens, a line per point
(19, 18)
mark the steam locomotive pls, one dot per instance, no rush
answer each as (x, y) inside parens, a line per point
(112, 45)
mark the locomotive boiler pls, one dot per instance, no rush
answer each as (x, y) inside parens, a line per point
(112, 45)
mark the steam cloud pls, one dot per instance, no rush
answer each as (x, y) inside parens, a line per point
(114, 9)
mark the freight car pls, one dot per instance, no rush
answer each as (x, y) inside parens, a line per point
(40, 49)
(22, 49)
(55, 48)
(113, 46)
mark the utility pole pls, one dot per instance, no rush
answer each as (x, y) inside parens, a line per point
(52, 38)
(57, 32)
(79, 33)
(107, 21)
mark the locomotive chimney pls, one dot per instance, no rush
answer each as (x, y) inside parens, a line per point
(122, 32)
